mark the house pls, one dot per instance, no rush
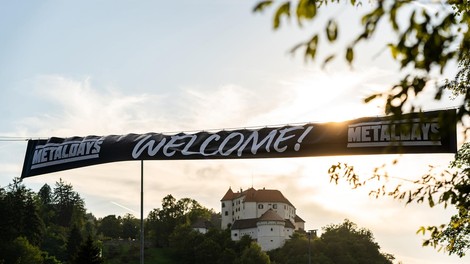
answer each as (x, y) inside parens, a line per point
(202, 225)
(264, 215)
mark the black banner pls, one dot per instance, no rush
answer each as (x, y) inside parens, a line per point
(428, 132)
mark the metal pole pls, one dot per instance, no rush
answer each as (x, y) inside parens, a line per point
(142, 212)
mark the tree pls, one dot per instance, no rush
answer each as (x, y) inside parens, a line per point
(423, 47)
(454, 236)
(19, 214)
(69, 206)
(74, 241)
(110, 226)
(208, 252)
(182, 241)
(432, 38)
(162, 222)
(46, 207)
(130, 227)
(21, 251)
(45, 194)
(89, 253)
(253, 255)
(341, 243)
(295, 250)
(346, 243)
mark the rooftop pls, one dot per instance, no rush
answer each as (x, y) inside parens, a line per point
(259, 196)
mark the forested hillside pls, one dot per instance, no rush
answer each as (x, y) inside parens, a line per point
(53, 226)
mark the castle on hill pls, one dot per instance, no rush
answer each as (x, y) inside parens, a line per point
(265, 215)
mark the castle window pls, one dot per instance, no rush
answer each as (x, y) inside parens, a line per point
(226, 212)
(260, 206)
(274, 206)
(272, 229)
(223, 205)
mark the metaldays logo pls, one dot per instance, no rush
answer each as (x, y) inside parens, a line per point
(388, 133)
(59, 153)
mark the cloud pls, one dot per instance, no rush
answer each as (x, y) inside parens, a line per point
(77, 107)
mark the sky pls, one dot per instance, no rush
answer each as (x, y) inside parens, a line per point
(78, 68)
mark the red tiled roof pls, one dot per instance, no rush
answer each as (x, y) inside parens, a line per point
(244, 223)
(228, 195)
(264, 196)
(297, 219)
(270, 215)
(289, 224)
(259, 196)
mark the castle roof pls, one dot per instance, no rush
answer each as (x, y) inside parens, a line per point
(228, 195)
(244, 223)
(264, 196)
(270, 215)
(297, 219)
(259, 196)
(202, 223)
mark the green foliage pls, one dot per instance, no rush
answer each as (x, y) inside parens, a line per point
(295, 250)
(253, 255)
(20, 214)
(61, 243)
(130, 227)
(74, 241)
(27, 253)
(183, 241)
(22, 252)
(430, 40)
(68, 205)
(346, 243)
(55, 240)
(110, 227)
(161, 222)
(89, 253)
(435, 188)
(44, 220)
(339, 243)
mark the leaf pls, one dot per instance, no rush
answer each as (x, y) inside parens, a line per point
(312, 47)
(332, 30)
(421, 230)
(296, 47)
(261, 6)
(349, 55)
(284, 9)
(306, 9)
(370, 98)
(327, 60)
(393, 50)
